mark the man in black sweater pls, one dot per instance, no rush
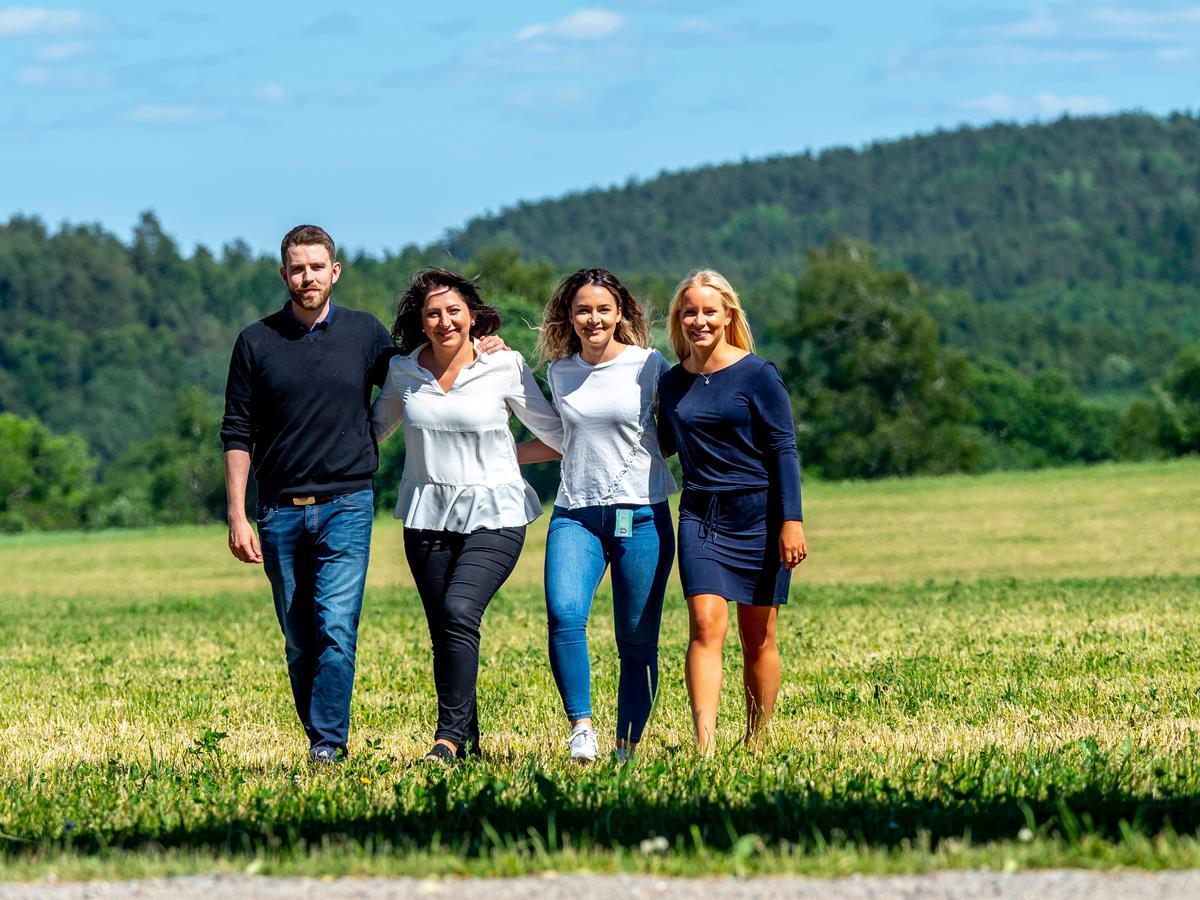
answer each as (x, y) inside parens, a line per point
(297, 404)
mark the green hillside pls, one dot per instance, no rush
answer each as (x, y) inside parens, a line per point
(1073, 245)
(1025, 296)
(993, 210)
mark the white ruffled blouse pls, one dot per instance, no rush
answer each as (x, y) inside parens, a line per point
(460, 461)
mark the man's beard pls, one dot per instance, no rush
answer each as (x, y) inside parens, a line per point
(310, 301)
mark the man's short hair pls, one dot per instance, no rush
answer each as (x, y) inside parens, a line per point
(306, 236)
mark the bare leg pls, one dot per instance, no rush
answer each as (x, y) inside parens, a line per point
(760, 656)
(708, 620)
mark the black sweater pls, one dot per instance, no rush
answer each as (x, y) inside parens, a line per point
(299, 401)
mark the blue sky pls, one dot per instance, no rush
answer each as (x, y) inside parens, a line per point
(391, 122)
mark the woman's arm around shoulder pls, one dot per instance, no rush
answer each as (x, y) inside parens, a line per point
(387, 412)
(528, 404)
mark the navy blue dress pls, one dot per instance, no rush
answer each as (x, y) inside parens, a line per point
(741, 478)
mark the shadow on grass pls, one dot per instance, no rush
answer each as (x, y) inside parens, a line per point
(543, 814)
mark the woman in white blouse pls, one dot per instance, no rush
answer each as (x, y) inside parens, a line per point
(611, 508)
(462, 498)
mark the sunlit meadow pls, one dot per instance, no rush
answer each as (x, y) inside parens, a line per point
(996, 670)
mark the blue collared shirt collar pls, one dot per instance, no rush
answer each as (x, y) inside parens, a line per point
(323, 324)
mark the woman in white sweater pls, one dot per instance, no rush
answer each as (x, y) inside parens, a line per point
(611, 508)
(462, 498)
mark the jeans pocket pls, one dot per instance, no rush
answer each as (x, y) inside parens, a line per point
(364, 499)
(263, 513)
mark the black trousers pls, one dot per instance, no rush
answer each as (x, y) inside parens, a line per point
(457, 575)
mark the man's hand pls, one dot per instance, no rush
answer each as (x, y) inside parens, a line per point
(243, 542)
(492, 343)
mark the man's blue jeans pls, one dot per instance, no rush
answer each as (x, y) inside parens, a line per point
(580, 544)
(316, 559)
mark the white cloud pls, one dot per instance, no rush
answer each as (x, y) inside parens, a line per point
(582, 25)
(992, 105)
(271, 93)
(68, 79)
(1036, 56)
(563, 96)
(1057, 105)
(35, 75)
(1040, 24)
(18, 21)
(1118, 17)
(1045, 105)
(698, 26)
(60, 52)
(165, 114)
(1176, 54)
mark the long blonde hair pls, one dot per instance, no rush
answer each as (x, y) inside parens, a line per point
(556, 334)
(737, 331)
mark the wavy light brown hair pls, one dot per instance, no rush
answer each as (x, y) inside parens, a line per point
(737, 332)
(556, 334)
(407, 331)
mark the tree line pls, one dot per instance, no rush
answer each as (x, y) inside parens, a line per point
(113, 360)
(1072, 245)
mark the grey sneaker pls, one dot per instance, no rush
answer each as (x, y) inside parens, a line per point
(582, 742)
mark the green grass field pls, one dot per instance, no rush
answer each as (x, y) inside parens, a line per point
(996, 671)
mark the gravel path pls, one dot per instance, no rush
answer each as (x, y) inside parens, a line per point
(1048, 885)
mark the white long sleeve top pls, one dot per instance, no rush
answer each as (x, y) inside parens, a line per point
(610, 442)
(460, 462)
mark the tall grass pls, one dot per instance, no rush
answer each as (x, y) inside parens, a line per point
(962, 686)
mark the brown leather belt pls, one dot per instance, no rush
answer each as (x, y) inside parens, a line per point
(315, 498)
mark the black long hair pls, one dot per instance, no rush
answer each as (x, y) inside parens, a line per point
(406, 329)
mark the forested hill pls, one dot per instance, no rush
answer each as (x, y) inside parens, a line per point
(1054, 319)
(992, 209)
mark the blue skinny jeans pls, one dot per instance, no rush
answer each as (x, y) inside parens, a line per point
(316, 560)
(580, 545)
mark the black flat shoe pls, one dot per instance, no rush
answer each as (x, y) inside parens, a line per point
(439, 753)
(469, 749)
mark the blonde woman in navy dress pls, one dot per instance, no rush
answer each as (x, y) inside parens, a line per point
(728, 414)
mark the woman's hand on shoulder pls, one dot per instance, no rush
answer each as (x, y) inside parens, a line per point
(792, 548)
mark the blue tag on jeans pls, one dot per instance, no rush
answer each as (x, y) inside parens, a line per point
(624, 523)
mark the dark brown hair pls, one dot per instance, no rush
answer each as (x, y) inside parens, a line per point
(556, 335)
(306, 236)
(407, 331)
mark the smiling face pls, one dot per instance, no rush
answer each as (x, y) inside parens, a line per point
(310, 274)
(703, 317)
(446, 319)
(595, 313)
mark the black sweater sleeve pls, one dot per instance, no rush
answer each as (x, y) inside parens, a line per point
(236, 433)
(772, 408)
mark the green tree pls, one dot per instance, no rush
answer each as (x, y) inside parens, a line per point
(46, 480)
(1168, 423)
(175, 476)
(874, 395)
(1038, 421)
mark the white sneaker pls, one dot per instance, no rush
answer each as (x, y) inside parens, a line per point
(582, 742)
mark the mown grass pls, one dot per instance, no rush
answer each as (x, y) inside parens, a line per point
(996, 671)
